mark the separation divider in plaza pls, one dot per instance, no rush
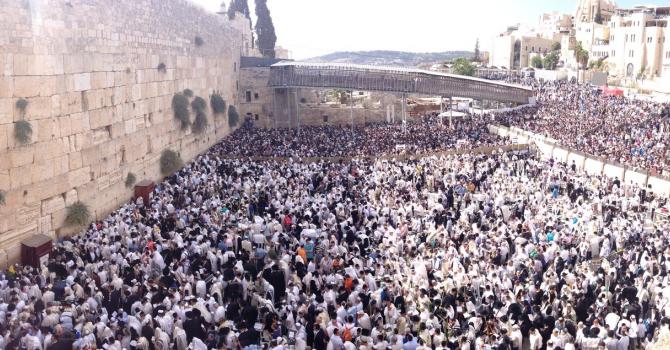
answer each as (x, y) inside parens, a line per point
(475, 150)
(549, 148)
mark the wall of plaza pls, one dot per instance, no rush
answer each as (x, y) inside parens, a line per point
(280, 108)
(548, 148)
(98, 105)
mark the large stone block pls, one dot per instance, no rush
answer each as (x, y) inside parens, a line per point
(53, 204)
(42, 171)
(38, 108)
(27, 86)
(47, 129)
(82, 81)
(20, 176)
(6, 110)
(75, 160)
(71, 197)
(6, 87)
(79, 177)
(71, 103)
(101, 117)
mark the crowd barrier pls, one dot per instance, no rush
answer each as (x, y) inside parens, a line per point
(593, 165)
(476, 150)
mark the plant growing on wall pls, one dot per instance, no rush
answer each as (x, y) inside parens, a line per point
(217, 103)
(233, 116)
(170, 162)
(23, 131)
(198, 41)
(77, 214)
(3, 197)
(188, 93)
(130, 180)
(200, 123)
(198, 104)
(161, 67)
(181, 112)
(21, 105)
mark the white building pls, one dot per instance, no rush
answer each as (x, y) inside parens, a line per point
(637, 42)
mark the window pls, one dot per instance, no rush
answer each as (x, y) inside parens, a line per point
(626, 37)
(256, 116)
(649, 39)
(255, 96)
(631, 53)
(325, 119)
(248, 96)
(234, 66)
(613, 53)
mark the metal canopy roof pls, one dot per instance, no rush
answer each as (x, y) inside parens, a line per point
(293, 74)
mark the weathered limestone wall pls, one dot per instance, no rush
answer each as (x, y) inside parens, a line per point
(98, 105)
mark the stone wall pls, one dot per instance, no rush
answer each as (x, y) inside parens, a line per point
(97, 103)
(281, 110)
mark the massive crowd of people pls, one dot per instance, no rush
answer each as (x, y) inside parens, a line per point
(428, 134)
(629, 131)
(471, 251)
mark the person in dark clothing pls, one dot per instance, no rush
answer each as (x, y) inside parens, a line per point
(193, 326)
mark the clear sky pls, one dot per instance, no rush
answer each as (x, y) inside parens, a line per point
(311, 28)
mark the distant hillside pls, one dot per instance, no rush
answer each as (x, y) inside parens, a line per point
(391, 58)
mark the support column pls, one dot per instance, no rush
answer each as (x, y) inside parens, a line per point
(404, 113)
(393, 113)
(451, 113)
(441, 109)
(288, 106)
(351, 109)
(297, 110)
(274, 108)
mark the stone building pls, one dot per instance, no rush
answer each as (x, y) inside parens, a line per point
(98, 77)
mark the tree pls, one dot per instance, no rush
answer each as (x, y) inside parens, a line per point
(581, 55)
(536, 62)
(556, 46)
(550, 61)
(461, 66)
(478, 56)
(240, 6)
(265, 29)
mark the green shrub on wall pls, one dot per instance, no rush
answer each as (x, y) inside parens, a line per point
(161, 67)
(130, 180)
(3, 197)
(21, 104)
(188, 93)
(181, 112)
(77, 214)
(198, 104)
(233, 117)
(170, 162)
(198, 41)
(217, 103)
(23, 131)
(200, 124)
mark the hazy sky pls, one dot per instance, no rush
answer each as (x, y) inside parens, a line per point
(311, 28)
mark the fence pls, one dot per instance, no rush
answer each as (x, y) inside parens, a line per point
(593, 165)
(476, 150)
